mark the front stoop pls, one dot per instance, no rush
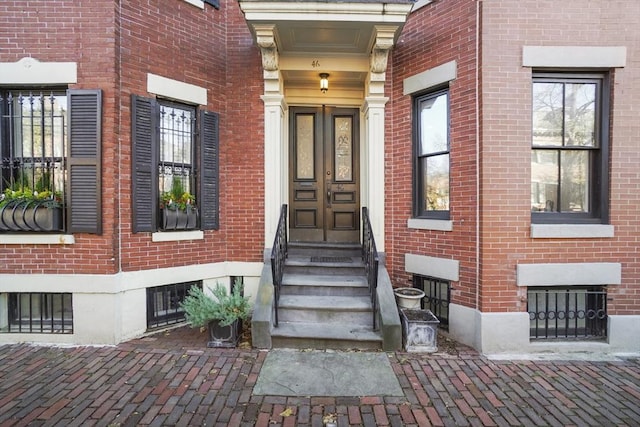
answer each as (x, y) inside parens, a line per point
(325, 303)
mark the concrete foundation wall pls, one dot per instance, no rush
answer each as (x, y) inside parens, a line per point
(507, 334)
(111, 309)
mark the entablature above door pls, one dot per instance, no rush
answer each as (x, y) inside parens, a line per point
(351, 40)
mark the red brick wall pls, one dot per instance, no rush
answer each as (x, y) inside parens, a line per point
(506, 148)
(243, 149)
(82, 32)
(212, 49)
(115, 45)
(436, 34)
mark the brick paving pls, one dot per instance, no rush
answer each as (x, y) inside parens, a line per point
(171, 378)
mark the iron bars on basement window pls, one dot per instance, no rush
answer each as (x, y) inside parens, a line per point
(564, 313)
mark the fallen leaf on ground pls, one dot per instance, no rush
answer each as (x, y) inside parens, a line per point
(286, 413)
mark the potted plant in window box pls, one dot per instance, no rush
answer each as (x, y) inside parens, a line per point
(221, 313)
(178, 208)
(30, 210)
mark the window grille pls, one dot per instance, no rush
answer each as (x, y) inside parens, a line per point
(33, 131)
(437, 297)
(48, 313)
(175, 170)
(163, 303)
(567, 313)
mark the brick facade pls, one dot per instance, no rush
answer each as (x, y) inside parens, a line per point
(451, 36)
(490, 75)
(205, 47)
(116, 44)
(506, 144)
(26, 31)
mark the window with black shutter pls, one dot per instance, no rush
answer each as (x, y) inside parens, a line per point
(50, 150)
(175, 166)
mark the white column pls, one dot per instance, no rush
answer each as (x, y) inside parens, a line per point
(275, 162)
(275, 152)
(374, 166)
(374, 110)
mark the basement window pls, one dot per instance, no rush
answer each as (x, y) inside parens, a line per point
(567, 313)
(163, 303)
(437, 297)
(37, 313)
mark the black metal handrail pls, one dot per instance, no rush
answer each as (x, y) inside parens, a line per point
(279, 253)
(371, 261)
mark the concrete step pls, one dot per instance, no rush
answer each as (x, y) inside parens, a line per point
(324, 300)
(324, 265)
(324, 285)
(325, 336)
(325, 249)
(353, 310)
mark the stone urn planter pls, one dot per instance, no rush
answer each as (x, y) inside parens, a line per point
(408, 297)
(419, 330)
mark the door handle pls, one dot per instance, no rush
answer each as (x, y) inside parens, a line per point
(329, 196)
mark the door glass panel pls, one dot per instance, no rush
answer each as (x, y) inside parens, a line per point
(343, 152)
(304, 147)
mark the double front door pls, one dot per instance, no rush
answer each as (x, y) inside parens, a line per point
(324, 174)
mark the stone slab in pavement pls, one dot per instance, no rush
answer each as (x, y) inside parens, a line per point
(288, 372)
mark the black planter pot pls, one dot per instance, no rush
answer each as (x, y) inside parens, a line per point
(224, 336)
(24, 215)
(177, 219)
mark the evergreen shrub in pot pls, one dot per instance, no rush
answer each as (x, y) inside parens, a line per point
(221, 313)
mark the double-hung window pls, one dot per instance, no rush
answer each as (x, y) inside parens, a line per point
(569, 156)
(50, 142)
(431, 155)
(175, 166)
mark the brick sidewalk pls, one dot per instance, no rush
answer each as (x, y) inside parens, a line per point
(173, 379)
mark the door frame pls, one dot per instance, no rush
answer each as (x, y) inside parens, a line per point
(328, 208)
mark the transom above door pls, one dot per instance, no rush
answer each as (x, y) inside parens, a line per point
(324, 184)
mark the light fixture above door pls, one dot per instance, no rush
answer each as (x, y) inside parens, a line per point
(324, 82)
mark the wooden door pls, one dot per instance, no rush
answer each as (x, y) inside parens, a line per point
(324, 174)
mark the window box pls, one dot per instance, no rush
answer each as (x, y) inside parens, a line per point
(30, 216)
(178, 219)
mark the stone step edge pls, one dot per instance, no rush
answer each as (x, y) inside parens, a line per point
(325, 303)
(325, 331)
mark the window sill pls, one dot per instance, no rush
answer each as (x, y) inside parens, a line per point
(174, 236)
(571, 231)
(419, 4)
(37, 239)
(196, 3)
(430, 224)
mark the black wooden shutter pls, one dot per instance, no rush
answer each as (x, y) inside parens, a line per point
(209, 197)
(84, 161)
(144, 180)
